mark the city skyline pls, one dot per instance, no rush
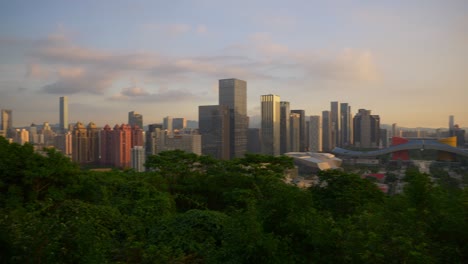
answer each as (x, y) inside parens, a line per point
(405, 61)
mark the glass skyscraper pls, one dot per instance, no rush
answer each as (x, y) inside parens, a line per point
(233, 94)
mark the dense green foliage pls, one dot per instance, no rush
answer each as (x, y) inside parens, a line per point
(194, 209)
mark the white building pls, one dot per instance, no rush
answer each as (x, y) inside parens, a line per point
(138, 158)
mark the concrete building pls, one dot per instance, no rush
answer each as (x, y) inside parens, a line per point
(233, 93)
(214, 127)
(285, 138)
(151, 138)
(135, 119)
(138, 158)
(270, 125)
(188, 143)
(63, 142)
(167, 125)
(33, 138)
(366, 129)
(315, 133)
(63, 114)
(326, 131)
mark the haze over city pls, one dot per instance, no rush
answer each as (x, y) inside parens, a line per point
(406, 61)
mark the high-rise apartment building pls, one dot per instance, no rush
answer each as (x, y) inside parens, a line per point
(326, 131)
(117, 144)
(21, 136)
(270, 127)
(152, 136)
(138, 158)
(394, 130)
(214, 126)
(302, 130)
(295, 126)
(366, 129)
(335, 115)
(85, 143)
(285, 138)
(7, 122)
(233, 93)
(63, 142)
(63, 114)
(315, 134)
(135, 119)
(346, 125)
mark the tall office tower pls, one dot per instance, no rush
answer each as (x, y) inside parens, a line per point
(151, 138)
(270, 124)
(394, 130)
(451, 122)
(233, 93)
(33, 134)
(254, 141)
(214, 126)
(7, 122)
(326, 131)
(366, 129)
(315, 134)
(63, 114)
(302, 130)
(335, 115)
(285, 138)
(383, 138)
(346, 125)
(21, 136)
(167, 124)
(295, 133)
(138, 158)
(179, 123)
(135, 119)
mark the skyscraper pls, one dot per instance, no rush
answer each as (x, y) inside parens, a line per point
(326, 131)
(135, 119)
(346, 125)
(302, 130)
(270, 124)
(335, 115)
(285, 138)
(366, 129)
(295, 126)
(214, 122)
(63, 114)
(167, 124)
(179, 123)
(315, 134)
(451, 122)
(138, 158)
(233, 93)
(7, 122)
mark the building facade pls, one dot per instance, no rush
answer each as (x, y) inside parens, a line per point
(270, 125)
(7, 122)
(366, 129)
(233, 94)
(63, 114)
(315, 133)
(285, 138)
(326, 131)
(214, 127)
(135, 119)
(335, 115)
(302, 130)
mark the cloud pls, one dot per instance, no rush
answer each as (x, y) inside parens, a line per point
(174, 29)
(36, 71)
(80, 80)
(201, 29)
(162, 96)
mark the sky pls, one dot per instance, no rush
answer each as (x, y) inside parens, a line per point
(407, 61)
